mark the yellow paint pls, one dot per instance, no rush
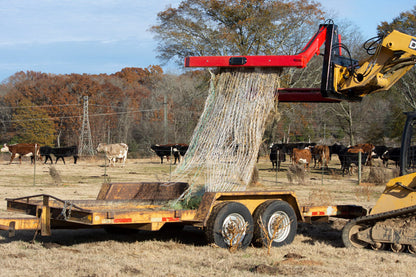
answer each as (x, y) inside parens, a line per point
(380, 71)
(396, 197)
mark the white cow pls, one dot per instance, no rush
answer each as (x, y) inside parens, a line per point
(113, 152)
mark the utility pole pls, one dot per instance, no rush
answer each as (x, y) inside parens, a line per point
(85, 145)
(165, 118)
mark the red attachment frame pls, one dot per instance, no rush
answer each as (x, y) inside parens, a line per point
(299, 60)
(327, 34)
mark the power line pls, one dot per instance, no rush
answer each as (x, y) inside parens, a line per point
(79, 116)
(42, 106)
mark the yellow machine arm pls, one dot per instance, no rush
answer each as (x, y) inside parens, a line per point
(393, 57)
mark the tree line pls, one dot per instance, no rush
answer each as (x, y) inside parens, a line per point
(144, 106)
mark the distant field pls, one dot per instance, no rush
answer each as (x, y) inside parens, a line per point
(316, 251)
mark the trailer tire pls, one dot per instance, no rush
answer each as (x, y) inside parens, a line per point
(266, 215)
(222, 218)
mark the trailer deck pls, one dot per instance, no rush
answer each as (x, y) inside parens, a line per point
(144, 206)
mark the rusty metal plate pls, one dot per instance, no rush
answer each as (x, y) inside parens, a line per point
(159, 191)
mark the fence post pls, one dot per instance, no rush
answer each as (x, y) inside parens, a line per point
(359, 167)
(277, 163)
(34, 164)
(322, 167)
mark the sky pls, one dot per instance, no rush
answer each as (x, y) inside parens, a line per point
(104, 36)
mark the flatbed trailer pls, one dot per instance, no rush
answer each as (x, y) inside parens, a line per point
(226, 217)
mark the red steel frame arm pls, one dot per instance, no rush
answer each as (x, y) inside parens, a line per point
(299, 60)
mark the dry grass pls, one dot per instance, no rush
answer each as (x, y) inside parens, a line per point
(235, 235)
(364, 190)
(277, 226)
(320, 197)
(316, 251)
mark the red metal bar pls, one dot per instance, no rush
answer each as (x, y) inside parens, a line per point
(312, 47)
(299, 60)
(339, 42)
(303, 95)
(252, 61)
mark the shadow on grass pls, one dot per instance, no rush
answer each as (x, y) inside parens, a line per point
(187, 235)
(329, 233)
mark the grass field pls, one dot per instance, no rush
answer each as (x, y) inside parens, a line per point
(316, 251)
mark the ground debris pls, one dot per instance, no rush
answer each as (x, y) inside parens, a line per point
(17, 256)
(293, 256)
(132, 270)
(265, 269)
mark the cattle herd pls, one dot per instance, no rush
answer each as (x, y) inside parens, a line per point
(305, 153)
(116, 152)
(299, 153)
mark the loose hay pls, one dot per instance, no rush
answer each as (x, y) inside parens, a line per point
(56, 176)
(296, 173)
(378, 176)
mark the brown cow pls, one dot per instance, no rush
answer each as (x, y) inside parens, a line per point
(21, 149)
(363, 148)
(321, 154)
(303, 156)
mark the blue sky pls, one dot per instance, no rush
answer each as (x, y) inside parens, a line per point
(104, 36)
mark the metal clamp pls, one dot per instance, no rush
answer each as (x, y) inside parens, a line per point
(65, 208)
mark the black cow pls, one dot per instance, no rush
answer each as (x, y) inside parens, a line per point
(167, 150)
(179, 150)
(393, 153)
(277, 155)
(347, 158)
(335, 149)
(379, 150)
(59, 153)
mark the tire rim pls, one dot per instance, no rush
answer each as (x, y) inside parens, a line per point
(233, 229)
(283, 229)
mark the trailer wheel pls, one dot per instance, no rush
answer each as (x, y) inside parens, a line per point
(267, 215)
(230, 224)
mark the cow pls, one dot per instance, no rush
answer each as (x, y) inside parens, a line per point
(179, 150)
(379, 150)
(302, 156)
(364, 148)
(162, 151)
(348, 156)
(22, 149)
(167, 150)
(299, 145)
(59, 153)
(277, 155)
(393, 154)
(335, 149)
(114, 151)
(320, 154)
